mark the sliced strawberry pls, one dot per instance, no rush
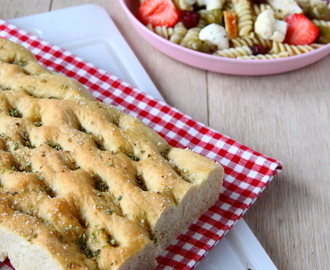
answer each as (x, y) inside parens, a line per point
(158, 13)
(301, 30)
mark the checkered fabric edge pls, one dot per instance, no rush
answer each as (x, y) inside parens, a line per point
(247, 173)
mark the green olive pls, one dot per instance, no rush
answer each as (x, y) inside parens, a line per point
(206, 47)
(196, 45)
(319, 12)
(214, 16)
(324, 35)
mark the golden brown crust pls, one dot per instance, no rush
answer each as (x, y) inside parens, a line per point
(90, 181)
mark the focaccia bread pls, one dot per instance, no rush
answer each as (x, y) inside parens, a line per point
(84, 185)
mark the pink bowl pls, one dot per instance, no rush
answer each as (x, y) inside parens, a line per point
(217, 63)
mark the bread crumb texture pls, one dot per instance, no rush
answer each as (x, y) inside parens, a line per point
(84, 185)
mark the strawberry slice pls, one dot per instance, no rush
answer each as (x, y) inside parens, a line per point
(301, 30)
(158, 13)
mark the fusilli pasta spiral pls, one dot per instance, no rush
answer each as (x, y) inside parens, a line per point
(264, 56)
(182, 5)
(162, 31)
(193, 33)
(179, 32)
(278, 47)
(244, 18)
(234, 52)
(257, 9)
(250, 41)
(321, 23)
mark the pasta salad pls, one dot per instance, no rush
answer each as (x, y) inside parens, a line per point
(243, 29)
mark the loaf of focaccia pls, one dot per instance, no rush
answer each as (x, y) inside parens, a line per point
(84, 185)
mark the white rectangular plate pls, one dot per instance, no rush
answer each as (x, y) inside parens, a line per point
(89, 32)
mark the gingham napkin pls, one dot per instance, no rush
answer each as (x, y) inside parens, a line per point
(247, 172)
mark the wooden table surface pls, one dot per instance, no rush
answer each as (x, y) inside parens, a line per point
(284, 116)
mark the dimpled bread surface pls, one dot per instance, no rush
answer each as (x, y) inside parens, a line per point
(84, 185)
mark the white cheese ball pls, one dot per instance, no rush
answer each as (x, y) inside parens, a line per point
(215, 34)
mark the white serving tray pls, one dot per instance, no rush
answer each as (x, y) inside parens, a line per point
(89, 32)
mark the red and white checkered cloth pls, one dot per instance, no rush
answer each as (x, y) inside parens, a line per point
(247, 172)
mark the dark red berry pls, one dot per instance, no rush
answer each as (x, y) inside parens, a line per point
(190, 19)
(258, 49)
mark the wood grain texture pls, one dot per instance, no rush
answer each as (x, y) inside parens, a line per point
(284, 116)
(21, 8)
